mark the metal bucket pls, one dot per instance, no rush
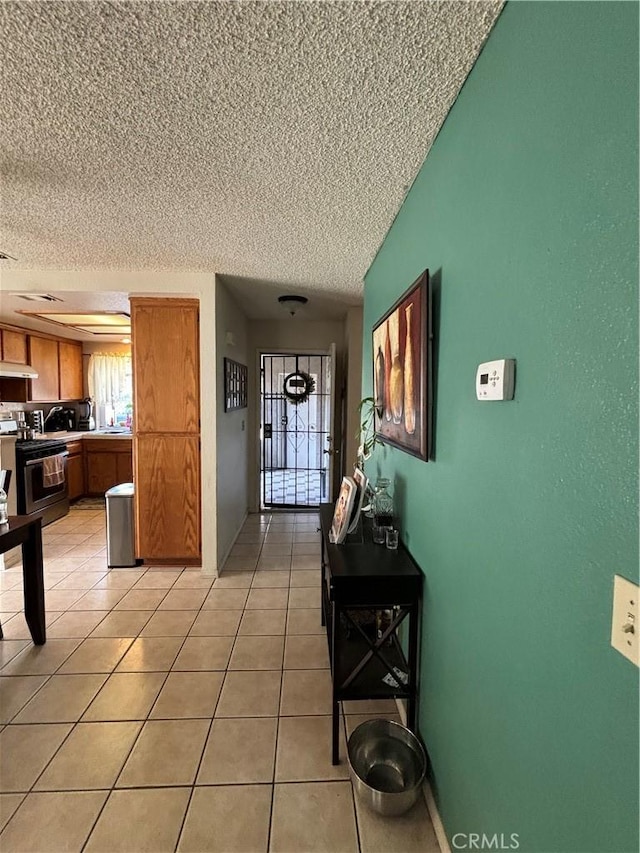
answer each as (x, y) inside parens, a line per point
(387, 764)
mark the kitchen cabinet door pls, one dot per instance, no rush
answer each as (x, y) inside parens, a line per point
(43, 355)
(166, 365)
(102, 472)
(124, 467)
(71, 384)
(167, 478)
(75, 476)
(14, 346)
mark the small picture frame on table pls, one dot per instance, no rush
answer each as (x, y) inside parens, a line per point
(342, 512)
(361, 481)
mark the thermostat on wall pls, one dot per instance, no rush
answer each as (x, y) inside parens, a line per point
(495, 379)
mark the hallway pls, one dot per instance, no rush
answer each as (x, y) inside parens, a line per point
(171, 712)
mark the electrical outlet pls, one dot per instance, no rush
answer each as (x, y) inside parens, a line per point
(624, 624)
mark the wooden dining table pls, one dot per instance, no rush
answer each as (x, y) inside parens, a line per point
(25, 530)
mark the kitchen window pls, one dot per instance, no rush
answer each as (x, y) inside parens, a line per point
(111, 388)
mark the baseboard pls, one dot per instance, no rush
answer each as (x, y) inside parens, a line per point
(222, 561)
(427, 793)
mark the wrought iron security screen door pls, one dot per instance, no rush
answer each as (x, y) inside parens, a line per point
(295, 430)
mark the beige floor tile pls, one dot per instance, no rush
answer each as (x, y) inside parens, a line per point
(76, 623)
(370, 706)
(26, 751)
(262, 622)
(225, 599)
(188, 694)
(80, 580)
(62, 599)
(15, 626)
(10, 648)
(157, 580)
(11, 601)
(151, 654)
(90, 758)
(305, 563)
(304, 750)
(120, 579)
(141, 599)
(16, 692)
(284, 537)
(126, 696)
(249, 694)
(8, 805)
(304, 597)
(305, 692)
(307, 549)
(245, 549)
(143, 821)
(99, 599)
(234, 580)
(63, 699)
(193, 580)
(304, 622)
(41, 660)
(184, 599)
(267, 599)
(257, 653)
(169, 623)
(122, 623)
(276, 549)
(305, 536)
(228, 819)
(97, 654)
(317, 817)
(305, 577)
(167, 752)
(204, 653)
(271, 580)
(274, 564)
(411, 832)
(249, 538)
(239, 750)
(306, 652)
(52, 822)
(216, 623)
(240, 564)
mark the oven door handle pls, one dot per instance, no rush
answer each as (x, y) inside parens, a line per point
(38, 461)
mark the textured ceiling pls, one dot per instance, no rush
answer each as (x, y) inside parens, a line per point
(265, 141)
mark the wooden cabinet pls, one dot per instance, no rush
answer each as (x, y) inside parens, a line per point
(70, 366)
(14, 346)
(108, 462)
(166, 383)
(75, 470)
(168, 496)
(43, 356)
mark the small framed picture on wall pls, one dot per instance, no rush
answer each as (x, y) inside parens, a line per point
(235, 385)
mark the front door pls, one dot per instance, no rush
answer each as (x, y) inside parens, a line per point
(295, 429)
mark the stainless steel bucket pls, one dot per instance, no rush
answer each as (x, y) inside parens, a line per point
(387, 764)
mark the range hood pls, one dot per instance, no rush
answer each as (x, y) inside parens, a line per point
(20, 371)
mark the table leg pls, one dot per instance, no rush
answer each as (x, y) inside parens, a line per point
(413, 667)
(34, 585)
(335, 704)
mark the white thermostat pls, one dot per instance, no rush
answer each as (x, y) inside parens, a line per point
(495, 379)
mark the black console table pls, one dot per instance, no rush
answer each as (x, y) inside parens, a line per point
(26, 530)
(360, 576)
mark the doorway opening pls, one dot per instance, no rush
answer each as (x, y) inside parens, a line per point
(295, 429)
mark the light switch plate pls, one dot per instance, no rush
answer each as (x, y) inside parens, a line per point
(624, 624)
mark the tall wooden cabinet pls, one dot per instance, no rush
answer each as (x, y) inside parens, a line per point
(166, 450)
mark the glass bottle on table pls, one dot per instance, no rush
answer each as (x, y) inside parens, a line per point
(382, 510)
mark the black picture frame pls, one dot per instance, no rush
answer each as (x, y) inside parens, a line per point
(402, 372)
(235, 385)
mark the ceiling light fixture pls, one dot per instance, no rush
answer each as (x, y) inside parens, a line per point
(292, 304)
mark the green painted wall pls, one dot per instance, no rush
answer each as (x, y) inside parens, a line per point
(525, 211)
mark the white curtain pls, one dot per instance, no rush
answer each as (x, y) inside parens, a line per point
(109, 377)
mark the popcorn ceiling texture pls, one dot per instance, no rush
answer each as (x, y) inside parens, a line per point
(269, 140)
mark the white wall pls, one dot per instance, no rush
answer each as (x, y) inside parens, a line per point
(353, 329)
(166, 284)
(233, 427)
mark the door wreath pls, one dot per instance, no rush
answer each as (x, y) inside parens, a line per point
(298, 386)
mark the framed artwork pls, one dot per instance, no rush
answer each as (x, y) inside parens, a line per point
(402, 365)
(342, 511)
(361, 481)
(235, 385)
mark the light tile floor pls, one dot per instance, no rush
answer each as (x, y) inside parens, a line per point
(171, 712)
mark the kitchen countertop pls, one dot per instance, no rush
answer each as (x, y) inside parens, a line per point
(90, 434)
